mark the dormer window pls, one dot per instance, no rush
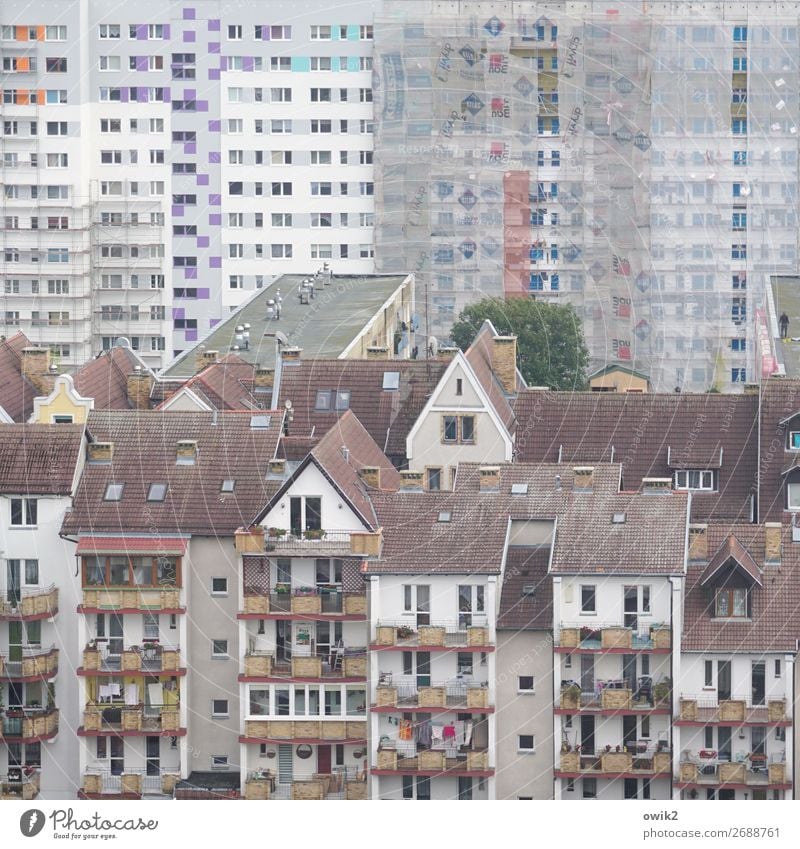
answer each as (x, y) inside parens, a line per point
(695, 479)
(731, 603)
(794, 440)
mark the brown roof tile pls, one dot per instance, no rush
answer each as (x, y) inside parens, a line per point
(526, 569)
(775, 606)
(105, 378)
(227, 385)
(780, 400)
(16, 392)
(479, 356)
(39, 459)
(638, 429)
(145, 452)
(387, 415)
(731, 548)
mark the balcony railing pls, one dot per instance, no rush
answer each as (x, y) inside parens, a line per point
(638, 759)
(29, 723)
(104, 719)
(309, 729)
(136, 782)
(352, 664)
(132, 598)
(150, 658)
(19, 783)
(432, 760)
(470, 630)
(755, 770)
(309, 543)
(612, 637)
(304, 601)
(705, 709)
(340, 783)
(458, 695)
(36, 662)
(645, 694)
(39, 603)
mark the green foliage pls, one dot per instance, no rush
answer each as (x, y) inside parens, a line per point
(550, 347)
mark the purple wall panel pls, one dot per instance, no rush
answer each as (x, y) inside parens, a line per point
(189, 14)
(215, 200)
(141, 32)
(123, 95)
(213, 73)
(190, 274)
(141, 94)
(215, 262)
(215, 219)
(179, 312)
(214, 25)
(213, 47)
(249, 63)
(202, 179)
(214, 126)
(203, 241)
(141, 63)
(191, 335)
(177, 210)
(214, 157)
(189, 37)
(205, 295)
(214, 322)
(190, 147)
(189, 93)
(167, 31)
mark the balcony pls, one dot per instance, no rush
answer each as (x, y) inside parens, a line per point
(647, 761)
(310, 543)
(615, 697)
(134, 720)
(29, 724)
(286, 603)
(754, 771)
(149, 659)
(432, 763)
(310, 731)
(35, 664)
(341, 783)
(352, 665)
(437, 635)
(443, 696)
(130, 784)
(702, 710)
(132, 599)
(30, 604)
(20, 783)
(612, 638)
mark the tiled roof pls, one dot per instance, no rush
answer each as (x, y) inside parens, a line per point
(731, 548)
(296, 447)
(105, 378)
(125, 545)
(526, 570)
(145, 452)
(546, 482)
(39, 459)
(638, 429)
(780, 401)
(387, 414)
(16, 392)
(479, 356)
(348, 436)
(227, 385)
(775, 606)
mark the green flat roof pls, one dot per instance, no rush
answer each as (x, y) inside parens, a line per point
(323, 328)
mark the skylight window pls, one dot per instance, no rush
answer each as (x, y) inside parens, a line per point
(114, 492)
(519, 489)
(259, 422)
(618, 519)
(445, 516)
(228, 485)
(391, 380)
(157, 492)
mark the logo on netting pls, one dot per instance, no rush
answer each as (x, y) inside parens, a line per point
(622, 135)
(472, 103)
(470, 55)
(524, 86)
(494, 26)
(525, 133)
(468, 199)
(643, 281)
(623, 85)
(596, 271)
(468, 248)
(443, 189)
(569, 201)
(571, 253)
(642, 141)
(490, 246)
(642, 330)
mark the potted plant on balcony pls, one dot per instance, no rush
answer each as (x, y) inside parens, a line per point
(276, 533)
(571, 696)
(662, 691)
(305, 591)
(284, 588)
(404, 632)
(314, 534)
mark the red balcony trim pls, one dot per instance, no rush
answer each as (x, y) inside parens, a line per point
(690, 785)
(407, 709)
(648, 711)
(82, 794)
(639, 773)
(31, 617)
(308, 617)
(486, 649)
(579, 650)
(726, 723)
(323, 741)
(437, 773)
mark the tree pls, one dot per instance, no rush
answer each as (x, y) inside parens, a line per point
(550, 347)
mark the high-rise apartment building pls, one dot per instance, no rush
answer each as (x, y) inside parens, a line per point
(160, 164)
(638, 160)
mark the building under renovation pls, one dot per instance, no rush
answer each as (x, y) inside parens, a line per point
(636, 159)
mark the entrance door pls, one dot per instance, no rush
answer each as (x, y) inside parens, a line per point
(631, 788)
(630, 607)
(629, 731)
(629, 671)
(587, 735)
(14, 582)
(329, 636)
(285, 765)
(757, 682)
(117, 755)
(724, 743)
(15, 642)
(723, 679)
(324, 759)
(283, 640)
(153, 755)
(115, 632)
(417, 600)
(587, 673)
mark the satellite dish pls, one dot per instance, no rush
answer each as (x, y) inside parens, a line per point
(288, 404)
(281, 337)
(433, 346)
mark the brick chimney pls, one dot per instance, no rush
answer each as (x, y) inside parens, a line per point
(276, 468)
(203, 359)
(371, 475)
(772, 543)
(264, 378)
(657, 486)
(99, 452)
(490, 478)
(446, 353)
(186, 452)
(698, 542)
(584, 478)
(291, 354)
(504, 362)
(411, 481)
(36, 367)
(139, 385)
(377, 352)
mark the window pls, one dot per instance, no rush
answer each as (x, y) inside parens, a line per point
(234, 32)
(738, 375)
(279, 251)
(24, 511)
(219, 708)
(281, 219)
(219, 586)
(525, 744)
(281, 95)
(281, 189)
(57, 33)
(694, 479)
(739, 33)
(365, 32)
(731, 603)
(114, 492)
(777, 661)
(525, 684)
(219, 648)
(219, 762)
(157, 492)
(320, 95)
(458, 429)
(320, 33)
(321, 126)
(708, 673)
(588, 598)
(109, 31)
(433, 479)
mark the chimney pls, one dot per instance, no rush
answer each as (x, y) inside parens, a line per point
(186, 452)
(584, 478)
(504, 362)
(446, 353)
(751, 389)
(99, 452)
(371, 475)
(276, 468)
(772, 544)
(410, 481)
(290, 354)
(490, 478)
(139, 385)
(264, 378)
(657, 486)
(204, 358)
(377, 352)
(698, 542)
(36, 367)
